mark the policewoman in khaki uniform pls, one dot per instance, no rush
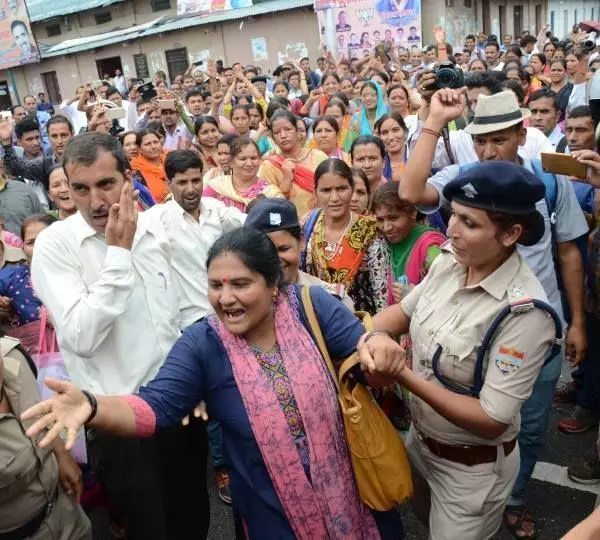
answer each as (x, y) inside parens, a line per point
(463, 441)
(33, 503)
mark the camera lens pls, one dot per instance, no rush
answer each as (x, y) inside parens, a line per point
(446, 78)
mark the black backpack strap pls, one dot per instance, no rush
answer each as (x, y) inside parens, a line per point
(562, 145)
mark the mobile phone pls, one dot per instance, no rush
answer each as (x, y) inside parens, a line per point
(147, 91)
(563, 164)
(97, 83)
(115, 114)
(166, 104)
(403, 282)
(6, 114)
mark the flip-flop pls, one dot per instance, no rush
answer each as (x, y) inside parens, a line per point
(521, 515)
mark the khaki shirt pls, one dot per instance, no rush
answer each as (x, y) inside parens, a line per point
(307, 280)
(443, 311)
(28, 474)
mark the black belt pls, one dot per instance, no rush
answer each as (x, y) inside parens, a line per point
(32, 526)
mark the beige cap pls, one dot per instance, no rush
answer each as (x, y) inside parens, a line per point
(495, 113)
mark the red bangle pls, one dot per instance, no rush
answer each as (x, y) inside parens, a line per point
(431, 132)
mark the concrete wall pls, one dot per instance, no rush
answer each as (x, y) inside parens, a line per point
(230, 41)
(458, 21)
(83, 24)
(500, 26)
(565, 13)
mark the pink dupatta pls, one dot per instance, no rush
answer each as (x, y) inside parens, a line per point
(330, 508)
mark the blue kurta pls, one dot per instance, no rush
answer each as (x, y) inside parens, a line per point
(198, 368)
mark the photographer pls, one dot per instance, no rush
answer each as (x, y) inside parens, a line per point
(456, 146)
(97, 118)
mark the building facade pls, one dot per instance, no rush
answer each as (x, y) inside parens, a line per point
(143, 36)
(81, 41)
(563, 14)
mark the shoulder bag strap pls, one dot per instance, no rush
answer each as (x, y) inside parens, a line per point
(352, 360)
(316, 331)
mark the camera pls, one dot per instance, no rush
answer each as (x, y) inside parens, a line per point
(587, 46)
(447, 75)
(116, 128)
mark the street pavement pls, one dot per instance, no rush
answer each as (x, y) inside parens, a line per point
(557, 502)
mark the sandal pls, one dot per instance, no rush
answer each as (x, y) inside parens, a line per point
(515, 517)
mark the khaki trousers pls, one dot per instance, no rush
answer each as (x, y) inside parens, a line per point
(66, 521)
(456, 500)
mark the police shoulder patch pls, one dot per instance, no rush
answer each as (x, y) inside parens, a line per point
(509, 359)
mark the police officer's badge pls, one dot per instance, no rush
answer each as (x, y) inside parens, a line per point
(469, 190)
(508, 360)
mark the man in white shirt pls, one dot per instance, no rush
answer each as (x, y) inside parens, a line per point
(120, 82)
(105, 276)
(69, 107)
(177, 136)
(127, 123)
(492, 56)
(545, 114)
(192, 224)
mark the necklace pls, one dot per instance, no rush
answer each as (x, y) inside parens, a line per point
(331, 249)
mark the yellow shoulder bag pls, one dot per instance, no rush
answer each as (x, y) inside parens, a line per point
(379, 459)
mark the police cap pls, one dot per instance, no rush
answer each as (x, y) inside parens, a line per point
(504, 187)
(270, 215)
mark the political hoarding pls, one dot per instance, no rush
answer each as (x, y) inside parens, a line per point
(199, 7)
(17, 44)
(351, 28)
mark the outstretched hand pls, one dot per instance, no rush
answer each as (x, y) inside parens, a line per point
(67, 409)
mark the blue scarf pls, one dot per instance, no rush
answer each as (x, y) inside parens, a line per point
(382, 108)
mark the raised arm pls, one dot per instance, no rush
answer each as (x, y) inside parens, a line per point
(446, 105)
(84, 315)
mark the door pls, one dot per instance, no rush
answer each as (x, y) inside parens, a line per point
(502, 17)
(518, 20)
(107, 66)
(51, 86)
(485, 7)
(538, 18)
(5, 101)
(177, 61)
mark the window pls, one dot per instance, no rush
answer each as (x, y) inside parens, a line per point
(102, 18)
(552, 20)
(53, 30)
(177, 61)
(575, 19)
(449, 3)
(160, 5)
(566, 28)
(502, 16)
(468, 3)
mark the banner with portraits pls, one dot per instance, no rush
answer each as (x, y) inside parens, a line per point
(352, 28)
(17, 44)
